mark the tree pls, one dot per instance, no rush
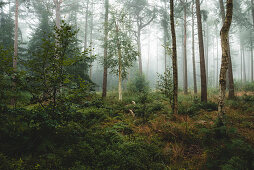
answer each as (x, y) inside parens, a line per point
(143, 16)
(122, 52)
(225, 55)
(201, 53)
(174, 59)
(231, 94)
(58, 14)
(185, 76)
(15, 57)
(193, 50)
(105, 72)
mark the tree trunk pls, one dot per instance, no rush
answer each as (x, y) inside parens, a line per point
(231, 94)
(139, 51)
(244, 69)
(105, 73)
(91, 40)
(185, 51)
(252, 11)
(119, 64)
(225, 56)
(193, 51)
(201, 51)
(58, 14)
(148, 54)
(86, 25)
(217, 70)
(15, 57)
(174, 58)
(206, 55)
(251, 57)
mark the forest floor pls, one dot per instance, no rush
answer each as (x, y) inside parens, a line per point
(137, 133)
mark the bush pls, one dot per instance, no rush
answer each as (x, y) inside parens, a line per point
(138, 84)
(196, 107)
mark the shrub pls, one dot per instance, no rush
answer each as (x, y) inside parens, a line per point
(138, 84)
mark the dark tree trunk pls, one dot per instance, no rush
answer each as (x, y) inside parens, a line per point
(174, 58)
(201, 53)
(105, 73)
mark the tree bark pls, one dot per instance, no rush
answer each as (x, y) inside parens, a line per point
(91, 39)
(193, 51)
(225, 56)
(119, 64)
(231, 94)
(185, 51)
(58, 14)
(206, 54)
(15, 57)
(251, 57)
(105, 73)
(252, 11)
(86, 25)
(201, 52)
(139, 51)
(244, 69)
(174, 58)
(217, 70)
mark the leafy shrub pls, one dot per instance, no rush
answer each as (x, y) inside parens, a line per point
(235, 154)
(138, 84)
(196, 107)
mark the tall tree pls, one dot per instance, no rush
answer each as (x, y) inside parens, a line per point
(202, 54)
(105, 72)
(15, 57)
(174, 58)
(193, 50)
(231, 93)
(185, 76)
(143, 16)
(86, 24)
(225, 55)
(58, 14)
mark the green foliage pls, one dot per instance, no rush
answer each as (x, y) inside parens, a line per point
(138, 84)
(50, 68)
(195, 107)
(120, 43)
(235, 154)
(165, 84)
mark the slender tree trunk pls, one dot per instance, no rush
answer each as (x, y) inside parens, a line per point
(148, 55)
(185, 51)
(157, 44)
(174, 58)
(202, 57)
(244, 68)
(105, 73)
(15, 58)
(139, 51)
(86, 24)
(91, 39)
(217, 70)
(165, 50)
(252, 11)
(231, 94)
(119, 64)
(241, 51)
(225, 56)
(251, 57)
(207, 53)
(58, 17)
(193, 50)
